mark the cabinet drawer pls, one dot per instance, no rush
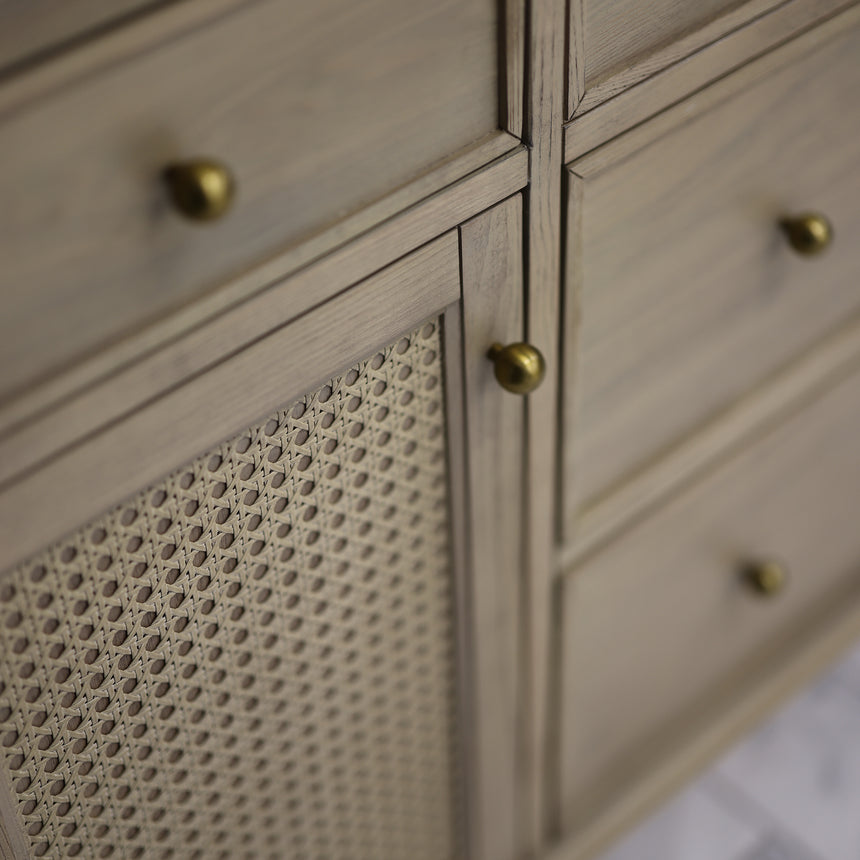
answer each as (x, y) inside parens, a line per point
(684, 291)
(317, 108)
(664, 627)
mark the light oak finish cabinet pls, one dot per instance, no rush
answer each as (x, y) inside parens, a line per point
(290, 567)
(707, 562)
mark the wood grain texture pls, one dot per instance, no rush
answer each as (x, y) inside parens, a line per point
(659, 628)
(318, 108)
(69, 68)
(513, 57)
(689, 73)
(626, 41)
(32, 29)
(35, 27)
(119, 381)
(491, 248)
(687, 295)
(127, 454)
(543, 272)
(620, 34)
(576, 54)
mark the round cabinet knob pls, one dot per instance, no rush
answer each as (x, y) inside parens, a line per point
(519, 367)
(201, 189)
(766, 578)
(809, 233)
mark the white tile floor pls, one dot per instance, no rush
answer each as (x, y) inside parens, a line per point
(790, 791)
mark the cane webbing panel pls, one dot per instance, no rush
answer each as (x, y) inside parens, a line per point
(254, 657)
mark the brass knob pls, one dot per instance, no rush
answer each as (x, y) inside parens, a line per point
(809, 233)
(766, 578)
(201, 189)
(519, 367)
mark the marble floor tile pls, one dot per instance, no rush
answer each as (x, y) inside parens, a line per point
(693, 826)
(847, 672)
(802, 768)
(789, 791)
(778, 847)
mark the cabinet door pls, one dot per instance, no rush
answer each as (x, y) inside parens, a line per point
(258, 617)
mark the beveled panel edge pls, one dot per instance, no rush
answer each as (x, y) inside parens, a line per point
(286, 285)
(770, 402)
(543, 254)
(113, 460)
(787, 33)
(492, 310)
(512, 67)
(584, 96)
(65, 68)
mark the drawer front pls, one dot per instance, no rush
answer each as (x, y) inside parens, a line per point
(317, 108)
(333, 538)
(29, 27)
(684, 291)
(662, 628)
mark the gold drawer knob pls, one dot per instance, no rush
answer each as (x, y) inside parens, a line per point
(809, 233)
(519, 367)
(201, 189)
(766, 578)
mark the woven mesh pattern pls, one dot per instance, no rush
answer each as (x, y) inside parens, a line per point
(254, 657)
